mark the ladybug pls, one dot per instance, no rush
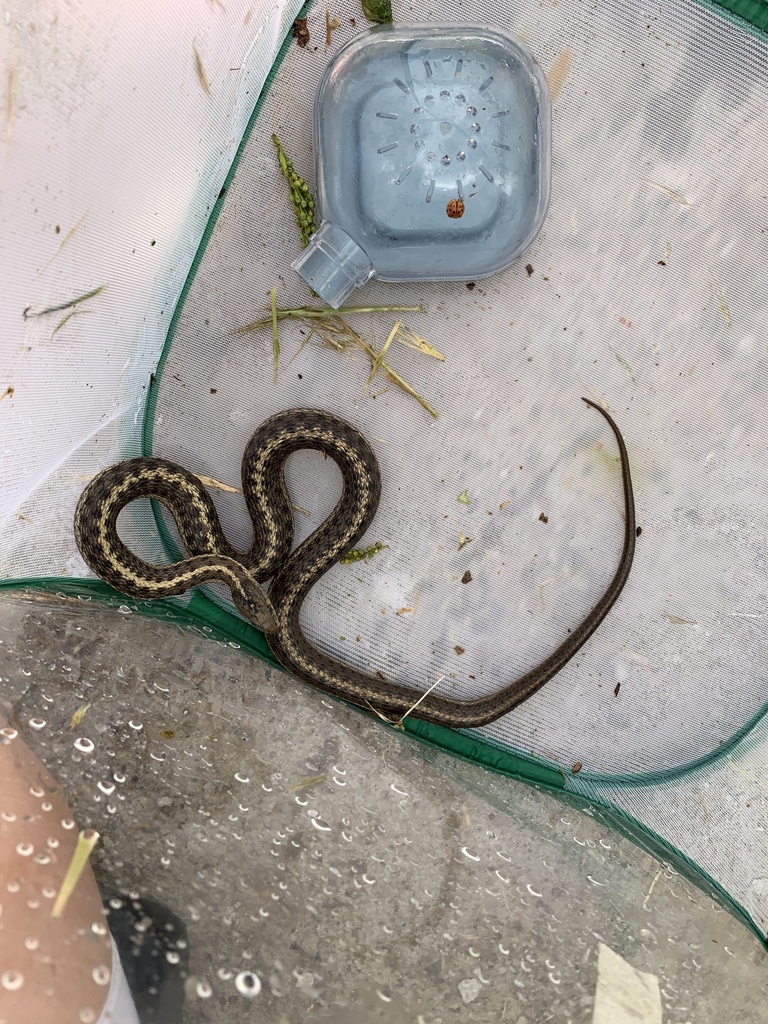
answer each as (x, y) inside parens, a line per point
(455, 208)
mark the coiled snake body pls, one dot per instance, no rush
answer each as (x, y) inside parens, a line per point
(294, 573)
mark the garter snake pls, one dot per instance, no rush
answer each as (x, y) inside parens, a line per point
(294, 573)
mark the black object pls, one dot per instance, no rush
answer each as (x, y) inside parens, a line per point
(152, 943)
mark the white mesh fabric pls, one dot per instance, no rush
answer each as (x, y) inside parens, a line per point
(639, 296)
(112, 155)
(646, 292)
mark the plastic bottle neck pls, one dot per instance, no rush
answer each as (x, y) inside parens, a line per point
(333, 264)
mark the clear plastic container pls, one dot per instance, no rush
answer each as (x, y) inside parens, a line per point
(432, 153)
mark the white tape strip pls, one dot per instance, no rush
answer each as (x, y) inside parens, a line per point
(624, 995)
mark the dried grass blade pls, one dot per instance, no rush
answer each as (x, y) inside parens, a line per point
(406, 387)
(308, 313)
(421, 698)
(394, 377)
(411, 339)
(217, 485)
(275, 337)
(28, 314)
(202, 77)
(378, 359)
(86, 841)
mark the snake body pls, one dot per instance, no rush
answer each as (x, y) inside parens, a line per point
(294, 573)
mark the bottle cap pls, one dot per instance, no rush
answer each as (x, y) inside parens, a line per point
(333, 264)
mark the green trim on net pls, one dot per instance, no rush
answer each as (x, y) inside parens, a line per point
(197, 609)
(662, 850)
(229, 623)
(221, 625)
(742, 12)
(597, 806)
(550, 773)
(152, 396)
(200, 609)
(480, 751)
(466, 745)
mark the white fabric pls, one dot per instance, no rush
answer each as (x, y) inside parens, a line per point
(119, 1007)
(638, 297)
(647, 291)
(120, 125)
(641, 295)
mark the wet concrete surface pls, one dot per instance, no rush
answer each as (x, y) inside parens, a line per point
(329, 867)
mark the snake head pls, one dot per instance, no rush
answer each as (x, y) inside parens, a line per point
(253, 603)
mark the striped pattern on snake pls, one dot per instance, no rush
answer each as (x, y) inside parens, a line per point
(294, 573)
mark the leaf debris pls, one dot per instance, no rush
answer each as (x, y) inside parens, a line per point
(217, 485)
(624, 365)
(330, 326)
(411, 339)
(723, 306)
(65, 239)
(86, 841)
(29, 314)
(199, 67)
(323, 313)
(337, 333)
(330, 25)
(378, 359)
(378, 11)
(275, 336)
(360, 554)
(68, 317)
(670, 193)
(302, 200)
(300, 32)
(399, 723)
(306, 782)
(78, 716)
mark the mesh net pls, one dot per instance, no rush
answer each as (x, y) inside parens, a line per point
(639, 292)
